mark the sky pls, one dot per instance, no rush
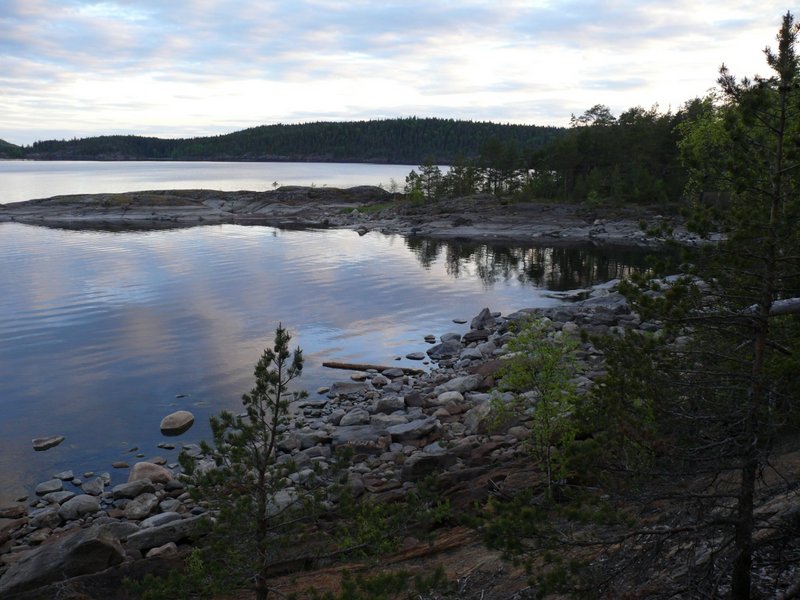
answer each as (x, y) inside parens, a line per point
(185, 68)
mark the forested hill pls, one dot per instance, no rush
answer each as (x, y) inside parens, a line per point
(400, 141)
(8, 150)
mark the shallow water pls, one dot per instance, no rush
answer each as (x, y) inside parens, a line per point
(100, 333)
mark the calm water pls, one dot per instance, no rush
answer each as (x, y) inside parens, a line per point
(100, 332)
(28, 180)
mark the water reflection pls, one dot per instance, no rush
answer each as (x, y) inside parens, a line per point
(102, 334)
(559, 268)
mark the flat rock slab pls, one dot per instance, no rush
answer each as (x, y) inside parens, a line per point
(177, 422)
(45, 443)
(86, 551)
(147, 470)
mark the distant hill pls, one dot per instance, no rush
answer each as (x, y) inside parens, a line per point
(399, 141)
(9, 150)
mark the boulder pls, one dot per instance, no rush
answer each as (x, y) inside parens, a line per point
(85, 551)
(416, 356)
(482, 320)
(413, 430)
(94, 487)
(446, 397)
(463, 384)
(148, 470)
(133, 489)
(177, 422)
(389, 404)
(362, 438)
(445, 337)
(447, 349)
(476, 335)
(141, 507)
(79, 506)
(58, 497)
(45, 443)
(48, 487)
(161, 519)
(349, 388)
(421, 464)
(357, 416)
(167, 550)
(393, 373)
(175, 531)
(46, 517)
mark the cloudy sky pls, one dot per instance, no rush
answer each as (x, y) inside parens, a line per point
(74, 68)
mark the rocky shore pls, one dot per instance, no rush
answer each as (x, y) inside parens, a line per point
(363, 208)
(401, 427)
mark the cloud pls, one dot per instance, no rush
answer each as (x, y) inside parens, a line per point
(196, 66)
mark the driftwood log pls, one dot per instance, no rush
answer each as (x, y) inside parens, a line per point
(367, 367)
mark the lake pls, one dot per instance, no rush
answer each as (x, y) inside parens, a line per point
(28, 180)
(102, 334)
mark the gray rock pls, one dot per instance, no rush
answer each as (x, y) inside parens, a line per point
(64, 476)
(141, 506)
(85, 551)
(476, 419)
(79, 506)
(167, 550)
(393, 373)
(177, 422)
(45, 517)
(45, 443)
(446, 337)
(380, 381)
(133, 489)
(362, 438)
(421, 464)
(48, 487)
(383, 421)
(447, 397)
(119, 529)
(416, 356)
(349, 388)
(464, 384)
(413, 430)
(58, 497)
(357, 416)
(388, 404)
(444, 350)
(147, 470)
(476, 335)
(170, 505)
(472, 353)
(93, 487)
(483, 320)
(160, 519)
(176, 531)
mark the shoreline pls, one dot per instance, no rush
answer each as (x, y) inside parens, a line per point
(480, 218)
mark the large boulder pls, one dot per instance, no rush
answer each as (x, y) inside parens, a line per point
(447, 349)
(177, 422)
(147, 470)
(85, 551)
(413, 430)
(349, 388)
(482, 320)
(421, 464)
(362, 438)
(79, 506)
(45, 443)
(174, 531)
(133, 489)
(141, 507)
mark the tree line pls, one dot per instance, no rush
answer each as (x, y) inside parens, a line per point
(395, 141)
